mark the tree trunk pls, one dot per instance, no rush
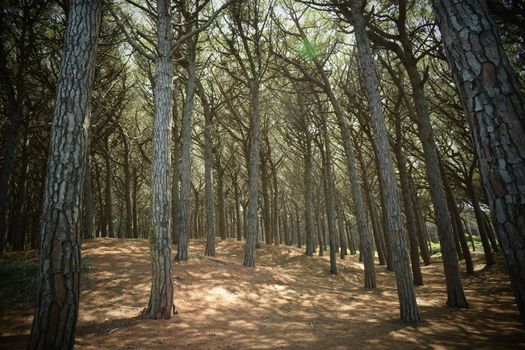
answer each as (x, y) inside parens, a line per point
(161, 297)
(58, 293)
(208, 174)
(237, 209)
(407, 203)
(407, 299)
(455, 293)
(454, 212)
(108, 193)
(376, 227)
(127, 185)
(87, 204)
(421, 225)
(308, 197)
(253, 178)
(489, 256)
(134, 196)
(494, 104)
(185, 193)
(266, 199)
(329, 199)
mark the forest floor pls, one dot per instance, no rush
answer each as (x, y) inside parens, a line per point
(288, 302)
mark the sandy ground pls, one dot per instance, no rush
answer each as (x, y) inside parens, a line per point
(288, 302)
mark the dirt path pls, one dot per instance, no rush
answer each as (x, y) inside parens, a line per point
(288, 301)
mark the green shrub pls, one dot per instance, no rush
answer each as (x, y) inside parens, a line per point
(18, 278)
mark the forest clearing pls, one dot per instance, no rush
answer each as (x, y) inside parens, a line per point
(238, 174)
(288, 302)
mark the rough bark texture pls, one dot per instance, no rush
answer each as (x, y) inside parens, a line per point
(161, 297)
(253, 178)
(495, 108)
(406, 293)
(58, 293)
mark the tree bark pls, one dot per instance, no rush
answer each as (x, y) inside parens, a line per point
(58, 278)
(407, 299)
(329, 199)
(407, 204)
(253, 178)
(494, 104)
(161, 297)
(208, 173)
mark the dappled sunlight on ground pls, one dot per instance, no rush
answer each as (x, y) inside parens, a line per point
(287, 301)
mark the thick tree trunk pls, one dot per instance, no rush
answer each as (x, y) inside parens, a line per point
(407, 299)
(58, 293)
(161, 297)
(494, 104)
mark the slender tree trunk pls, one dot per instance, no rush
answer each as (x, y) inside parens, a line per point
(134, 196)
(175, 190)
(58, 278)
(161, 297)
(421, 225)
(329, 199)
(489, 256)
(87, 205)
(308, 197)
(458, 227)
(407, 299)
(266, 199)
(185, 194)
(237, 209)
(407, 203)
(253, 179)
(109, 193)
(455, 293)
(127, 185)
(376, 227)
(208, 174)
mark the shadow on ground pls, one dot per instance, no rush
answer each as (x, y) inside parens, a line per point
(288, 301)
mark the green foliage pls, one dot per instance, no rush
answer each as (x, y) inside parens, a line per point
(18, 281)
(308, 49)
